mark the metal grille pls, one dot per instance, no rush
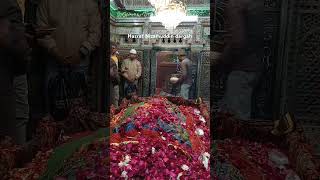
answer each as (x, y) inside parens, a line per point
(301, 91)
(303, 70)
(204, 76)
(219, 20)
(217, 83)
(308, 79)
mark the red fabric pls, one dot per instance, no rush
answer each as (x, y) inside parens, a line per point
(194, 139)
(131, 135)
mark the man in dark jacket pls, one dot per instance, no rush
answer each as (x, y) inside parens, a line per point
(114, 58)
(242, 55)
(13, 50)
(20, 83)
(115, 79)
(77, 34)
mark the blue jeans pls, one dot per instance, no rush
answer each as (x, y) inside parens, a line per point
(126, 84)
(53, 69)
(184, 91)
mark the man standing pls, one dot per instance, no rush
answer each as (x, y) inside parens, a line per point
(186, 75)
(13, 52)
(115, 79)
(77, 35)
(116, 82)
(21, 93)
(131, 71)
(242, 55)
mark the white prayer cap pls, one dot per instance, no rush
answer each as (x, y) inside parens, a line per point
(133, 51)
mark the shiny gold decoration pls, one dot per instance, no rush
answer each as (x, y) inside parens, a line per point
(284, 126)
(199, 100)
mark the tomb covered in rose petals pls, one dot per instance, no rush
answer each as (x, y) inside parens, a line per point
(168, 137)
(159, 138)
(150, 138)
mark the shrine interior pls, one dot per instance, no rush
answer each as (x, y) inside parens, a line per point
(290, 63)
(159, 56)
(160, 89)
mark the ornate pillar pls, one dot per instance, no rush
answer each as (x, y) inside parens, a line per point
(301, 60)
(204, 76)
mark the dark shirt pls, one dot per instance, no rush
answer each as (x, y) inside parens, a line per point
(12, 49)
(186, 74)
(114, 75)
(13, 44)
(244, 46)
(11, 18)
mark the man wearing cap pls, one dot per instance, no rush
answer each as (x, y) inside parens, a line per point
(131, 71)
(186, 77)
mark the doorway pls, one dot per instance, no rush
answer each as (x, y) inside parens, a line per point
(167, 65)
(164, 63)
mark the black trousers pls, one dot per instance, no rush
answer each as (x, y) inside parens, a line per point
(7, 101)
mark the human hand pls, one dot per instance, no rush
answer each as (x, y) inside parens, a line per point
(75, 58)
(42, 32)
(130, 80)
(84, 52)
(67, 60)
(55, 52)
